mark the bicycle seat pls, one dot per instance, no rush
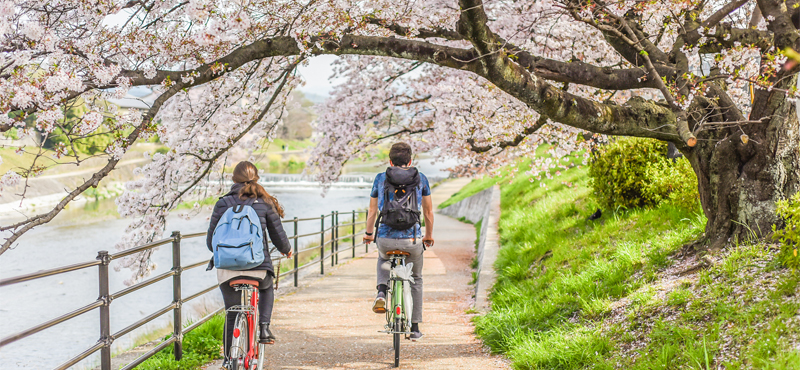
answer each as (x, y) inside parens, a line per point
(243, 281)
(398, 253)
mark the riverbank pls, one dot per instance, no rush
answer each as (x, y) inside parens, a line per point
(574, 292)
(49, 188)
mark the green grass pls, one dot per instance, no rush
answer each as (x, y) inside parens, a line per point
(578, 294)
(200, 346)
(210, 201)
(474, 187)
(277, 145)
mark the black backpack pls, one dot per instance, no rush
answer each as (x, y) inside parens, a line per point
(402, 212)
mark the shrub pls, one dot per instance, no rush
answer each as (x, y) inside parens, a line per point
(635, 172)
(789, 211)
(12, 134)
(200, 346)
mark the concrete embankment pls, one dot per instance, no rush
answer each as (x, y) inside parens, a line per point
(483, 206)
(48, 190)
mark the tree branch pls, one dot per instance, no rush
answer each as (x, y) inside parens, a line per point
(514, 142)
(21, 228)
(423, 33)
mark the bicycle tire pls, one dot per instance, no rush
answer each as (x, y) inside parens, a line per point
(398, 327)
(261, 357)
(239, 346)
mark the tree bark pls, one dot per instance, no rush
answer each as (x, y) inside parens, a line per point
(741, 178)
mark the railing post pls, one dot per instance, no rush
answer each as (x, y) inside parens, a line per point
(105, 317)
(322, 245)
(353, 222)
(295, 252)
(177, 318)
(334, 237)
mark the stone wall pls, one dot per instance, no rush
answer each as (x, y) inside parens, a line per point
(481, 206)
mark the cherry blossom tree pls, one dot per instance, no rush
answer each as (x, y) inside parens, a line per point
(483, 81)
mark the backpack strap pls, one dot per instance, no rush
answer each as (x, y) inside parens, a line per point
(229, 201)
(250, 201)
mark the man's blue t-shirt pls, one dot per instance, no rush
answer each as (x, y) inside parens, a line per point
(384, 231)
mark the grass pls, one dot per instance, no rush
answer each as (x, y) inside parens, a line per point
(277, 145)
(475, 263)
(209, 201)
(474, 187)
(578, 294)
(23, 161)
(200, 346)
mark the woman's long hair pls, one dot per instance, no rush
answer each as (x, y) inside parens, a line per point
(247, 173)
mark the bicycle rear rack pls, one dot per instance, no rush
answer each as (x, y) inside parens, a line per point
(246, 309)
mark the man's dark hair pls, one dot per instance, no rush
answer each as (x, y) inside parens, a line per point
(400, 154)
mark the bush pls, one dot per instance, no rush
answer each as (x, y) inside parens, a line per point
(200, 346)
(634, 172)
(12, 134)
(789, 211)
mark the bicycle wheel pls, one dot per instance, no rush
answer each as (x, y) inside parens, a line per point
(261, 356)
(398, 327)
(239, 345)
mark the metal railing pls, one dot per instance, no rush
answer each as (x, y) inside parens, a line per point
(103, 303)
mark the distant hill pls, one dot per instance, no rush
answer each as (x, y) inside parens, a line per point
(315, 98)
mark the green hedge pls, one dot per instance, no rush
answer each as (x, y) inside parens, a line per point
(635, 172)
(200, 346)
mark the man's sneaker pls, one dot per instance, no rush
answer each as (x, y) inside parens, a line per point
(266, 336)
(415, 336)
(379, 306)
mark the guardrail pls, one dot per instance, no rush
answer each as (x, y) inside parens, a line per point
(103, 303)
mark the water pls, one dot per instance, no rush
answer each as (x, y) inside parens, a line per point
(81, 231)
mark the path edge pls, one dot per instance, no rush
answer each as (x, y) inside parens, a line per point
(485, 206)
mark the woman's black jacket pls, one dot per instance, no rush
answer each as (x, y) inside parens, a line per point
(270, 223)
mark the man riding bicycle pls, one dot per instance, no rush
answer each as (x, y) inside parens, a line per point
(401, 190)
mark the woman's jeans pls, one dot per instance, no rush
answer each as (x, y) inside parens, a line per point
(384, 265)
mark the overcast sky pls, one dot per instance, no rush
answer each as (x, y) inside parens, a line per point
(316, 75)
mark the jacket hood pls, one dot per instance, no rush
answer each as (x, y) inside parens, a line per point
(235, 189)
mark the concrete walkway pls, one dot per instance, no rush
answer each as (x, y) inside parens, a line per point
(328, 322)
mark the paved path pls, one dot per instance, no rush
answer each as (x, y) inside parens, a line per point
(328, 323)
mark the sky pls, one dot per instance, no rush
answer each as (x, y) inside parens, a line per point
(316, 75)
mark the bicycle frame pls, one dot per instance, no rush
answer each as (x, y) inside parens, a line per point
(249, 307)
(397, 309)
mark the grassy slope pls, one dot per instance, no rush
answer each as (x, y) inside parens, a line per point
(200, 346)
(579, 294)
(474, 187)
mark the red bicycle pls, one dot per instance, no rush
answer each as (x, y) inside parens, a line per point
(245, 352)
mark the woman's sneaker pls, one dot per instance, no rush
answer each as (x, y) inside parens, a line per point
(379, 306)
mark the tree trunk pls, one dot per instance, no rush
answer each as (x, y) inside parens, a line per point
(740, 179)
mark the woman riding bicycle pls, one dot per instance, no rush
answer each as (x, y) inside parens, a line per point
(245, 187)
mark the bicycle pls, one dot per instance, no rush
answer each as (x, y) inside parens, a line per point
(244, 354)
(398, 320)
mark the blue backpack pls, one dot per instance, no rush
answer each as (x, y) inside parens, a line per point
(238, 240)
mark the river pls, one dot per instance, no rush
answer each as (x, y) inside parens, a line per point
(81, 231)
